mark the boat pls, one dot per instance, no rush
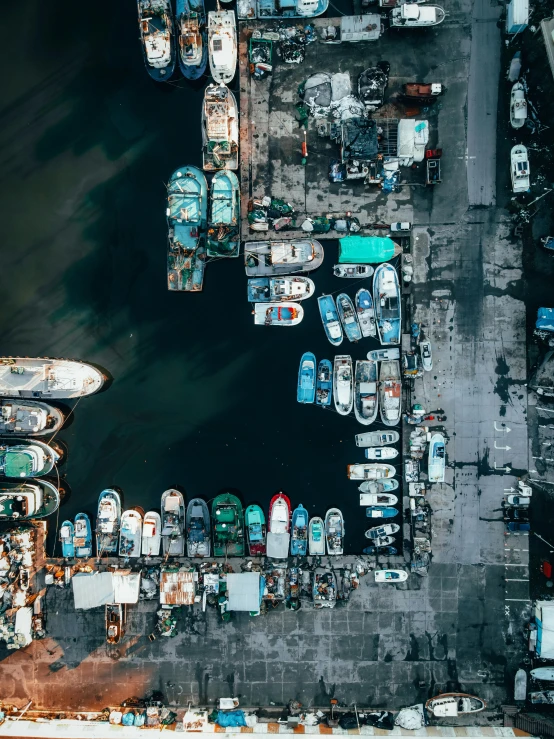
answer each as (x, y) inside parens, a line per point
(293, 9)
(114, 622)
(26, 458)
(366, 313)
(380, 512)
(377, 438)
(151, 534)
(378, 499)
(520, 169)
(518, 106)
(380, 542)
(379, 453)
(67, 533)
(316, 536)
(390, 393)
(370, 471)
(359, 249)
(48, 378)
(348, 317)
(366, 399)
(187, 209)
(173, 523)
(378, 486)
(279, 289)
(380, 355)
(29, 418)
(198, 529)
(156, 34)
(542, 697)
(256, 534)
(424, 93)
(299, 533)
(437, 458)
(324, 591)
(193, 38)
(414, 15)
(220, 129)
(83, 536)
(130, 534)
(277, 314)
(353, 271)
(387, 302)
(520, 685)
(330, 319)
(334, 531)
(282, 257)
(385, 530)
(108, 522)
(222, 45)
(391, 576)
(380, 550)
(372, 84)
(343, 385)
(223, 224)
(426, 355)
(324, 383)
(454, 704)
(279, 514)
(543, 673)
(228, 526)
(305, 391)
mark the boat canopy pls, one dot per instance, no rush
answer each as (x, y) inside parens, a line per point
(91, 590)
(245, 591)
(366, 249)
(126, 587)
(278, 545)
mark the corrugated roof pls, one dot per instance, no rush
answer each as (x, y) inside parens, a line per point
(177, 587)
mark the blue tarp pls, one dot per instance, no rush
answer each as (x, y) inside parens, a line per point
(231, 718)
(545, 319)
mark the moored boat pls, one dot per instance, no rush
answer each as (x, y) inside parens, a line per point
(114, 622)
(378, 355)
(256, 533)
(222, 45)
(383, 549)
(543, 673)
(108, 522)
(316, 536)
(380, 512)
(173, 523)
(28, 418)
(544, 697)
(380, 453)
(343, 384)
(151, 534)
(324, 591)
(282, 257)
(390, 393)
(278, 314)
(130, 533)
(454, 704)
(370, 471)
(391, 576)
(156, 35)
(377, 438)
(67, 533)
(330, 319)
(353, 271)
(380, 542)
(334, 531)
(518, 106)
(387, 303)
(378, 486)
(299, 533)
(324, 383)
(26, 458)
(414, 15)
(279, 289)
(220, 129)
(267, 9)
(305, 389)
(198, 529)
(366, 398)
(83, 536)
(520, 169)
(278, 537)
(48, 378)
(223, 225)
(228, 526)
(348, 317)
(384, 531)
(378, 499)
(366, 313)
(437, 458)
(193, 38)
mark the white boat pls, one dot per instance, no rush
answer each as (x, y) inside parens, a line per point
(173, 523)
(390, 393)
(380, 499)
(383, 531)
(279, 289)
(330, 319)
(334, 531)
(384, 485)
(156, 33)
(437, 458)
(380, 355)
(222, 45)
(316, 536)
(29, 418)
(278, 314)
(391, 576)
(130, 534)
(353, 271)
(543, 673)
(380, 541)
(370, 471)
(282, 257)
(521, 181)
(426, 355)
(380, 453)
(366, 398)
(39, 378)
(448, 705)
(518, 106)
(377, 438)
(414, 15)
(220, 129)
(151, 534)
(343, 384)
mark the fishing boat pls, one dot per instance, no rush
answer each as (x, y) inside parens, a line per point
(294, 9)
(348, 318)
(437, 458)
(391, 576)
(279, 289)
(282, 257)
(187, 209)
(29, 418)
(426, 355)
(366, 399)
(277, 314)
(518, 106)
(130, 534)
(114, 622)
(26, 458)
(316, 536)
(256, 534)
(48, 378)
(370, 471)
(173, 523)
(353, 271)
(305, 390)
(67, 533)
(414, 15)
(228, 526)
(343, 385)
(151, 534)
(380, 355)
(324, 591)
(378, 499)
(378, 532)
(377, 438)
(324, 383)
(330, 319)
(380, 512)
(390, 393)
(384, 549)
(366, 313)
(334, 531)
(156, 34)
(454, 704)
(83, 536)
(299, 534)
(222, 44)
(542, 697)
(223, 224)
(520, 169)
(193, 38)
(279, 514)
(108, 522)
(198, 529)
(380, 453)
(220, 129)
(543, 673)
(378, 486)
(387, 302)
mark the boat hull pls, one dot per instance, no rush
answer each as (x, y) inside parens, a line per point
(390, 393)
(316, 536)
(83, 536)
(279, 289)
(157, 73)
(388, 304)
(348, 318)
(376, 438)
(107, 530)
(366, 313)
(299, 535)
(385, 530)
(324, 383)
(29, 418)
(67, 533)
(330, 319)
(151, 534)
(223, 227)
(278, 314)
(366, 396)
(23, 377)
(228, 526)
(380, 512)
(343, 384)
(378, 486)
(370, 471)
(256, 532)
(437, 458)
(266, 258)
(334, 531)
(130, 534)
(18, 466)
(173, 523)
(222, 27)
(305, 390)
(198, 528)
(183, 7)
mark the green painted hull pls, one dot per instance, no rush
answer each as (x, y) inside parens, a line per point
(228, 526)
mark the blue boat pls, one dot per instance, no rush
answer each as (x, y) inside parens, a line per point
(548, 243)
(305, 392)
(223, 225)
(192, 33)
(387, 303)
(324, 383)
(380, 550)
(286, 9)
(83, 536)
(330, 319)
(157, 37)
(299, 532)
(348, 317)
(67, 532)
(376, 511)
(187, 211)
(366, 313)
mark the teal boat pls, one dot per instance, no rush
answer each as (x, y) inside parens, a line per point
(83, 536)
(228, 526)
(256, 532)
(305, 391)
(299, 533)
(223, 226)
(376, 511)
(187, 212)
(67, 533)
(324, 383)
(367, 249)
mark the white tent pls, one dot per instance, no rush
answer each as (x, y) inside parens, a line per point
(278, 545)
(244, 591)
(93, 589)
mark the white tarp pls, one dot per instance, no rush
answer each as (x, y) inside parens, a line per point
(278, 545)
(544, 616)
(23, 626)
(91, 590)
(126, 586)
(244, 591)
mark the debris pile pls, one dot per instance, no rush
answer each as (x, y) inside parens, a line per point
(17, 547)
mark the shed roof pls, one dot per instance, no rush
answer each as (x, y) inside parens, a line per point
(126, 587)
(92, 589)
(244, 591)
(177, 587)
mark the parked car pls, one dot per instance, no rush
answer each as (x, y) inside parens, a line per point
(401, 227)
(518, 527)
(517, 500)
(516, 514)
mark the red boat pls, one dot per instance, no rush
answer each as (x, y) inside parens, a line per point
(279, 514)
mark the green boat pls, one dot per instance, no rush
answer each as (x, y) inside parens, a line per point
(228, 526)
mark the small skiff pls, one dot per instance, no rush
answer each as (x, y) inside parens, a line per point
(299, 532)
(330, 319)
(366, 313)
(543, 673)
(449, 705)
(256, 533)
(366, 397)
(380, 512)
(386, 530)
(370, 471)
(377, 438)
(378, 486)
(353, 271)
(199, 527)
(67, 534)
(343, 387)
(316, 536)
(130, 534)
(380, 541)
(278, 314)
(151, 534)
(387, 301)
(324, 383)
(391, 576)
(305, 391)
(114, 622)
(378, 499)
(334, 531)
(108, 522)
(380, 453)
(437, 458)
(83, 536)
(348, 317)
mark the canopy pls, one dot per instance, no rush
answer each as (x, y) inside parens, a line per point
(278, 545)
(544, 618)
(244, 591)
(126, 587)
(91, 590)
(366, 249)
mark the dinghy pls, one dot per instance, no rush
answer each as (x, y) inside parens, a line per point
(29, 418)
(390, 393)
(305, 391)
(193, 38)
(437, 458)
(366, 313)
(343, 387)
(518, 106)
(256, 534)
(386, 530)
(348, 318)
(334, 531)
(447, 705)
(366, 399)
(330, 319)
(26, 458)
(391, 576)
(379, 355)
(520, 169)
(222, 45)
(378, 499)
(173, 523)
(378, 486)
(353, 271)
(223, 224)
(387, 302)
(316, 536)
(380, 512)
(198, 529)
(83, 536)
(299, 534)
(324, 383)
(130, 534)
(151, 534)
(279, 289)
(370, 471)
(67, 534)
(377, 438)
(108, 522)
(277, 314)
(380, 453)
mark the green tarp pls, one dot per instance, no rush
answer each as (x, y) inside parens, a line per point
(366, 249)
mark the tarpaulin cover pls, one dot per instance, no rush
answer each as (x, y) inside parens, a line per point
(366, 249)
(278, 545)
(244, 591)
(231, 718)
(126, 587)
(91, 590)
